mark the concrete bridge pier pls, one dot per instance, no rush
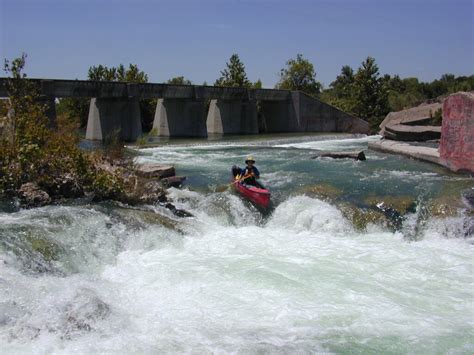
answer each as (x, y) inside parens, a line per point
(232, 117)
(109, 116)
(280, 116)
(183, 117)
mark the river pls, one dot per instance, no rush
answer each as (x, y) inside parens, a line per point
(107, 278)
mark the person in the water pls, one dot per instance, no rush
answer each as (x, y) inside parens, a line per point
(252, 172)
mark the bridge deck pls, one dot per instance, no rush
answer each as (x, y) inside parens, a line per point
(102, 89)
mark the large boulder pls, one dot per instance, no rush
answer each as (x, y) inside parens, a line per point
(457, 134)
(155, 171)
(419, 115)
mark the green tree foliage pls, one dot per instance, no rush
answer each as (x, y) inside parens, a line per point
(179, 80)
(299, 74)
(75, 109)
(370, 96)
(131, 75)
(234, 74)
(370, 93)
(341, 91)
(257, 84)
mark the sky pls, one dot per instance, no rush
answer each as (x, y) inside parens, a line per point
(195, 39)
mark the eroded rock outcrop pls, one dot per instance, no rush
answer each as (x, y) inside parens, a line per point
(457, 138)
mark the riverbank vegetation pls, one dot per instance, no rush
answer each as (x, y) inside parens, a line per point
(42, 163)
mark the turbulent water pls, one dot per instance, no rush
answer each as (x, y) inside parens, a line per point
(108, 278)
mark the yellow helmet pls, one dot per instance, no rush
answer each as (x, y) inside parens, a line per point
(249, 158)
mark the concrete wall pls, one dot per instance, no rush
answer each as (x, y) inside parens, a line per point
(457, 133)
(232, 117)
(318, 116)
(280, 116)
(303, 113)
(180, 118)
(181, 109)
(108, 116)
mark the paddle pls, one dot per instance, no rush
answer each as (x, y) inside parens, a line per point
(225, 187)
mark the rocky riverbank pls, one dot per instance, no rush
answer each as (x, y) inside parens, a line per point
(123, 182)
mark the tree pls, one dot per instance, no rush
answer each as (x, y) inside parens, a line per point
(234, 74)
(370, 93)
(257, 85)
(131, 75)
(299, 74)
(75, 109)
(179, 80)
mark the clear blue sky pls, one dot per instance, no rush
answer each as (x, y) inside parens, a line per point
(422, 38)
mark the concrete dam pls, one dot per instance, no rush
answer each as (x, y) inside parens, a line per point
(193, 110)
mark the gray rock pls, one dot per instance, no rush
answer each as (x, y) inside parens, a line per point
(32, 196)
(155, 171)
(418, 115)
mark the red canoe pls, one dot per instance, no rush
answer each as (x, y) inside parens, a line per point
(257, 195)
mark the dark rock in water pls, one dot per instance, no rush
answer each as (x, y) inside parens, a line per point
(356, 155)
(178, 212)
(173, 181)
(84, 311)
(32, 196)
(468, 197)
(155, 171)
(468, 226)
(69, 187)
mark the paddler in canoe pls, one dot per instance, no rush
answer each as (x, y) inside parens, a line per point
(250, 171)
(245, 182)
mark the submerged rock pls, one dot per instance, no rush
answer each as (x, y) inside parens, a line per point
(400, 204)
(324, 191)
(49, 250)
(10, 312)
(84, 311)
(360, 218)
(32, 196)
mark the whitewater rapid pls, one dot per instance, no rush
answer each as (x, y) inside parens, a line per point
(230, 280)
(303, 280)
